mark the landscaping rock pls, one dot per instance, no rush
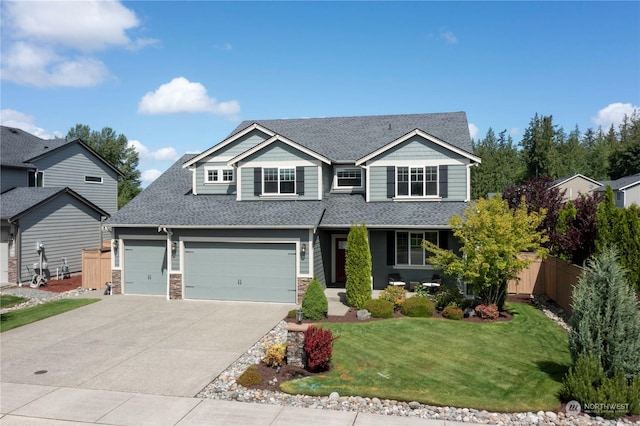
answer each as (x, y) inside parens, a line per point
(414, 405)
(334, 396)
(363, 314)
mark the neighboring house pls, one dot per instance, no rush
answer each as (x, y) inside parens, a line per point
(575, 185)
(626, 190)
(261, 213)
(57, 192)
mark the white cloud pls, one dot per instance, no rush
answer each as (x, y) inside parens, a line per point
(225, 46)
(181, 95)
(49, 43)
(515, 131)
(149, 176)
(146, 155)
(473, 130)
(449, 37)
(613, 114)
(19, 120)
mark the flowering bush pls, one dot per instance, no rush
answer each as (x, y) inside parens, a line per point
(318, 345)
(396, 295)
(487, 311)
(275, 355)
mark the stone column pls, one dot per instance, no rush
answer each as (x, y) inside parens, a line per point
(116, 281)
(175, 286)
(295, 344)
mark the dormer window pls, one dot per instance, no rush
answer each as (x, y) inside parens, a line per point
(348, 178)
(218, 175)
(279, 180)
(417, 181)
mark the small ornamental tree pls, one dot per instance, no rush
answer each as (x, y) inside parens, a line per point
(492, 236)
(605, 320)
(358, 267)
(314, 302)
(318, 346)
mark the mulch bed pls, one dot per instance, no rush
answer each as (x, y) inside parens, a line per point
(60, 286)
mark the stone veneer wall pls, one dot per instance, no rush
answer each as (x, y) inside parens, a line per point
(175, 286)
(12, 274)
(303, 283)
(295, 344)
(116, 281)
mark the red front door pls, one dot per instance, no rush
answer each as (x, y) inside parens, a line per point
(341, 252)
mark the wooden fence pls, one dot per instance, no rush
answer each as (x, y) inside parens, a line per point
(551, 276)
(96, 268)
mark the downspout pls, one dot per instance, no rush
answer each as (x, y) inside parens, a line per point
(169, 242)
(16, 250)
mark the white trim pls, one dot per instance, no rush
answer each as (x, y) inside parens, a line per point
(276, 138)
(577, 175)
(418, 132)
(423, 197)
(309, 255)
(414, 163)
(367, 192)
(337, 188)
(220, 180)
(239, 183)
(403, 198)
(320, 182)
(272, 196)
(273, 164)
(293, 194)
(624, 188)
(424, 252)
(230, 139)
(100, 182)
(468, 197)
(334, 237)
(194, 188)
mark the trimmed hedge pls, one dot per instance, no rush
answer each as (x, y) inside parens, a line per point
(314, 303)
(417, 307)
(379, 308)
(453, 313)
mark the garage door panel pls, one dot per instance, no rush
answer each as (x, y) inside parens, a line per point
(145, 270)
(240, 271)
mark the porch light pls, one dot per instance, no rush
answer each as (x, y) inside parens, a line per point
(299, 316)
(303, 249)
(174, 247)
(114, 244)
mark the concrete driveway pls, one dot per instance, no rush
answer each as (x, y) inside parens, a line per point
(142, 344)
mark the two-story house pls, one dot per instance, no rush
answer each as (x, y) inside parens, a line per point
(258, 215)
(55, 195)
(626, 190)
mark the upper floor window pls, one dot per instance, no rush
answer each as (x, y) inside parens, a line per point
(409, 249)
(218, 175)
(279, 180)
(35, 178)
(348, 178)
(417, 181)
(93, 179)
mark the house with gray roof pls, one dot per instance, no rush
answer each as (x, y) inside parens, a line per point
(626, 190)
(258, 215)
(55, 193)
(572, 187)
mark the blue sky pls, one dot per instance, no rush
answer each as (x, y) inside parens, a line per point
(177, 77)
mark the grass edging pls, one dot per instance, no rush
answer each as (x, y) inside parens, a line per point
(20, 317)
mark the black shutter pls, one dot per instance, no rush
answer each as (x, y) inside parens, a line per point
(257, 181)
(444, 181)
(391, 248)
(391, 182)
(300, 180)
(443, 240)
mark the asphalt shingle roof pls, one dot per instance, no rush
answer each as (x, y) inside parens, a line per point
(17, 200)
(625, 181)
(344, 139)
(17, 147)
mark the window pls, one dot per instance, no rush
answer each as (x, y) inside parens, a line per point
(218, 175)
(348, 178)
(417, 181)
(279, 180)
(409, 249)
(93, 179)
(35, 179)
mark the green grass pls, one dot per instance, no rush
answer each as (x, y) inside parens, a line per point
(516, 365)
(21, 317)
(8, 300)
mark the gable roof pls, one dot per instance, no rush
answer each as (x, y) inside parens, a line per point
(273, 139)
(19, 148)
(625, 182)
(565, 179)
(347, 139)
(19, 201)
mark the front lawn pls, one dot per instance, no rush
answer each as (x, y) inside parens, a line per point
(25, 316)
(9, 300)
(502, 366)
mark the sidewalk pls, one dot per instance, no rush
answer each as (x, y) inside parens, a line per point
(24, 404)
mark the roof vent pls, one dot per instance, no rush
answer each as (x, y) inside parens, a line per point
(12, 130)
(46, 147)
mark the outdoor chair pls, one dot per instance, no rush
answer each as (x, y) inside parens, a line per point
(396, 280)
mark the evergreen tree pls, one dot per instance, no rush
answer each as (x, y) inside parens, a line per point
(540, 148)
(572, 154)
(625, 160)
(314, 303)
(605, 319)
(115, 149)
(358, 267)
(607, 219)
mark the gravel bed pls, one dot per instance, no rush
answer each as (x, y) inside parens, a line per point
(224, 387)
(37, 297)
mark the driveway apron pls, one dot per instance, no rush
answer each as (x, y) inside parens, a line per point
(142, 344)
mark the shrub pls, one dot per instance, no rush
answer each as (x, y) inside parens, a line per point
(417, 307)
(487, 311)
(453, 312)
(314, 302)
(358, 267)
(250, 377)
(448, 296)
(379, 308)
(318, 346)
(605, 321)
(292, 313)
(394, 294)
(275, 355)
(587, 383)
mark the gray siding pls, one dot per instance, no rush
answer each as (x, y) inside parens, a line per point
(632, 195)
(212, 188)
(418, 147)
(279, 151)
(243, 144)
(310, 183)
(65, 226)
(13, 178)
(68, 166)
(457, 183)
(327, 179)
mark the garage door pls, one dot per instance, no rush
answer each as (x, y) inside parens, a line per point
(240, 271)
(145, 267)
